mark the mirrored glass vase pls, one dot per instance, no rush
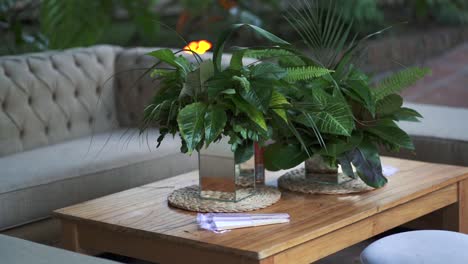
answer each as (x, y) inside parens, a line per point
(224, 177)
(319, 171)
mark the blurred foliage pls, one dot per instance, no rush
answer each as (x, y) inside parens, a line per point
(443, 11)
(33, 25)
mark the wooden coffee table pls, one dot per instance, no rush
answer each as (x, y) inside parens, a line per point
(138, 222)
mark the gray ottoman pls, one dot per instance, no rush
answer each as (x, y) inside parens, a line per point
(18, 251)
(427, 246)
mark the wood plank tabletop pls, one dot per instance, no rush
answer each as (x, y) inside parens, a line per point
(144, 210)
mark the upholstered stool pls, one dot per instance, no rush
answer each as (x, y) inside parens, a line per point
(428, 247)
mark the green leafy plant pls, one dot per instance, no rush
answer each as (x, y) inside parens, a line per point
(204, 101)
(352, 116)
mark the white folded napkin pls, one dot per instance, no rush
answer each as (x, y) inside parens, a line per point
(227, 221)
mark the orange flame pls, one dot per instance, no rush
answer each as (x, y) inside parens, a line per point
(198, 47)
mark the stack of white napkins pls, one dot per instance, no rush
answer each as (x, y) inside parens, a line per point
(227, 221)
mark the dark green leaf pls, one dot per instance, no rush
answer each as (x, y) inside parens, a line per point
(366, 160)
(251, 111)
(243, 153)
(215, 120)
(267, 70)
(407, 114)
(190, 120)
(259, 94)
(388, 131)
(389, 104)
(280, 157)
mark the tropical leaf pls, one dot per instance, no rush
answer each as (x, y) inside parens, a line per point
(267, 70)
(407, 114)
(305, 73)
(259, 94)
(167, 56)
(251, 111)
(360, 91)
(388, 131)
(215, 120)
(224, 36)
(191, 120)
(389, 104)
(366, 160)
(399, 81)
(243, 152)
(281, 157)
(243, 81)
(335, 119)
(277, 104)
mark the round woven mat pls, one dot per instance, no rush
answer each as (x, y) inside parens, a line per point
(296, 181)
(188, 198)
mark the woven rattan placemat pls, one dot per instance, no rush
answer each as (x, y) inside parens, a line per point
(188, 198)
(295, 181)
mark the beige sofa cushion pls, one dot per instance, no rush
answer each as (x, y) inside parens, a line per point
(50, 97)
(36, 182)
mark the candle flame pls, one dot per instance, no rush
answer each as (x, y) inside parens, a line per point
(198, 47)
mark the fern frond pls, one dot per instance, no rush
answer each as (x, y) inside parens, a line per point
(305, 73)
(399, 81)
(283, 56)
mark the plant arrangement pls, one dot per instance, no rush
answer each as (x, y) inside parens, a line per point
(352, 115)
(310, 104)
(203, 101)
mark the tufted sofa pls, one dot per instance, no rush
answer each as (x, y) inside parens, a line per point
(68, 131)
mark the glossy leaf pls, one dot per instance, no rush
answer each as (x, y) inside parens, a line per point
(251, 111)
(243, 153)
(259, 94)
(215, 120)
(366, 160)
(190, 120)
(281, 157)
(388, 131)
(389, 104)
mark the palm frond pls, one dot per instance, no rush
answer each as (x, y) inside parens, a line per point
(322, 27)
(399, 81)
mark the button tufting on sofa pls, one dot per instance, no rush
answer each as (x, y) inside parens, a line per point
(98, 90)
(30, 100)
(90, 120)
(21, 133)
(76, 93)
(69, 125)
(46, 130)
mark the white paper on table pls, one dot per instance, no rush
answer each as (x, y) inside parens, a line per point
(223, 221)
(388, 170)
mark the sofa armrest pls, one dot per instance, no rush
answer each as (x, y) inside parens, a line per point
(440, 137)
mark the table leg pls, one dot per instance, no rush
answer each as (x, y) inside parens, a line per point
(70, 236)
(463, 206)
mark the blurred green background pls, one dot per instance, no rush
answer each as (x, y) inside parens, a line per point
(36, 25)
